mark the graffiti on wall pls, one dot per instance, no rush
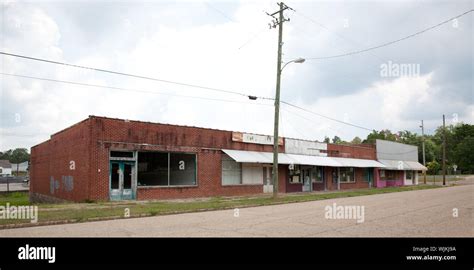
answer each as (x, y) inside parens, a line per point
(66, 184)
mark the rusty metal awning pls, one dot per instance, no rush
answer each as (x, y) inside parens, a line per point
(402, 165)
(283, 158)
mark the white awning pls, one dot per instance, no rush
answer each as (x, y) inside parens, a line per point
(267, 157)
(359, 163)
(402, 165)
(250, 156)
(309, 160)
(416, 166)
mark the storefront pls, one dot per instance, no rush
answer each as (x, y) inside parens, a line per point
(101, 159)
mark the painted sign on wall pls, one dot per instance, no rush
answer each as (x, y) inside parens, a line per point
(303, 147)
(254, 138)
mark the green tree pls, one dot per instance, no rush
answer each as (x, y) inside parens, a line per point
(336, 140)
(356, 140)
(6, 155)
(326, 139)
(433, 167)
(464, 155)
(382, 135)
(19, 155)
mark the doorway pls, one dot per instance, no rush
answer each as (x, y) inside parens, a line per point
(122, 180)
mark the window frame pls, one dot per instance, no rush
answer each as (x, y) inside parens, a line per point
(353, 175)
(222, 172)
(169, 171)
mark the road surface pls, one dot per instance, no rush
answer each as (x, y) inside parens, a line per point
(404, 214)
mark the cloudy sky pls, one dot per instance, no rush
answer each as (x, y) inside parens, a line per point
(228, 45)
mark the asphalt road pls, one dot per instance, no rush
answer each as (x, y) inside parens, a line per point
(413, 213)
(14, 187)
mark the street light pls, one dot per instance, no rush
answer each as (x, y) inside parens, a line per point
(277, 114)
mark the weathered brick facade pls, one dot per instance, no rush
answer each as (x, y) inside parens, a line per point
(87, 145)
(74, 164)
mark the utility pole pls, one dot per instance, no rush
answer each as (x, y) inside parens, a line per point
(423, 146)
(444, 151)
(277, 22)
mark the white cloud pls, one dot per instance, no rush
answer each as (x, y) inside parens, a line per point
(203, 49)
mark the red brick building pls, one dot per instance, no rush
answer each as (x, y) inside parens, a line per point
(100, 159)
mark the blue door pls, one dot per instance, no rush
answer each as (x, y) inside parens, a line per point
(122, 180)
(370, 176)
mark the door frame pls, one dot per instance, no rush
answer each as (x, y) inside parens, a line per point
(133, 189)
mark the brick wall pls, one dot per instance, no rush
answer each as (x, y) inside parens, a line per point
(89, 142)
(60, 166)
(363, 151)
(141, 136)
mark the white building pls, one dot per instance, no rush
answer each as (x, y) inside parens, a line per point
(5, 168)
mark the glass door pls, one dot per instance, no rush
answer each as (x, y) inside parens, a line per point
(122, 180)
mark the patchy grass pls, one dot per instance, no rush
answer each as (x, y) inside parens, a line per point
(14, 198)
(439, 178)
(81, 212)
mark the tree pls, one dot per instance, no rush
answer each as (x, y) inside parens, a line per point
(336, 140)
(18, 156)
(433, 167)
(326, 139)
(382, 135)
(6, 155)
(464, 155)
(356, 140)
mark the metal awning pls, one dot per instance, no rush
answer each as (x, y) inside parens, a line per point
(359, 163)
(250, 156)
(308, 160)
(416, 166)
(402, 165)
(267, 157)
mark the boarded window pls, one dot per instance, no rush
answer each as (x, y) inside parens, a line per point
(182, 169)
(252, 174)
(231, 171)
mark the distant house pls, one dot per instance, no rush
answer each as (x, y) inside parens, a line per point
(22, 167)
(5, 167)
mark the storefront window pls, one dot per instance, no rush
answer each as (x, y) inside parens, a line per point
(347, 174)
(166, 169)
(317, 174)
(231, 171)
(388, 175)
(182, 169)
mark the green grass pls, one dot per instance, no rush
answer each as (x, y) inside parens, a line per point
(14, 198)
(439, 178)
(80, 212)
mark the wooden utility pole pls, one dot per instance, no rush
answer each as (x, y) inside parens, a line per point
(277, 22)
(444, 151)
(423, 146)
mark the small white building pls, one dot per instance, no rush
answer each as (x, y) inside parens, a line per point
(401, 163)
(5, 168)
(22, 167)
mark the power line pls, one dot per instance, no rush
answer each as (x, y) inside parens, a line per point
(128, 89)
(129, 75)
(350, 144)
(218, 11)
(391, 42)
(324, 116)
(311, 121)
(329, 30)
